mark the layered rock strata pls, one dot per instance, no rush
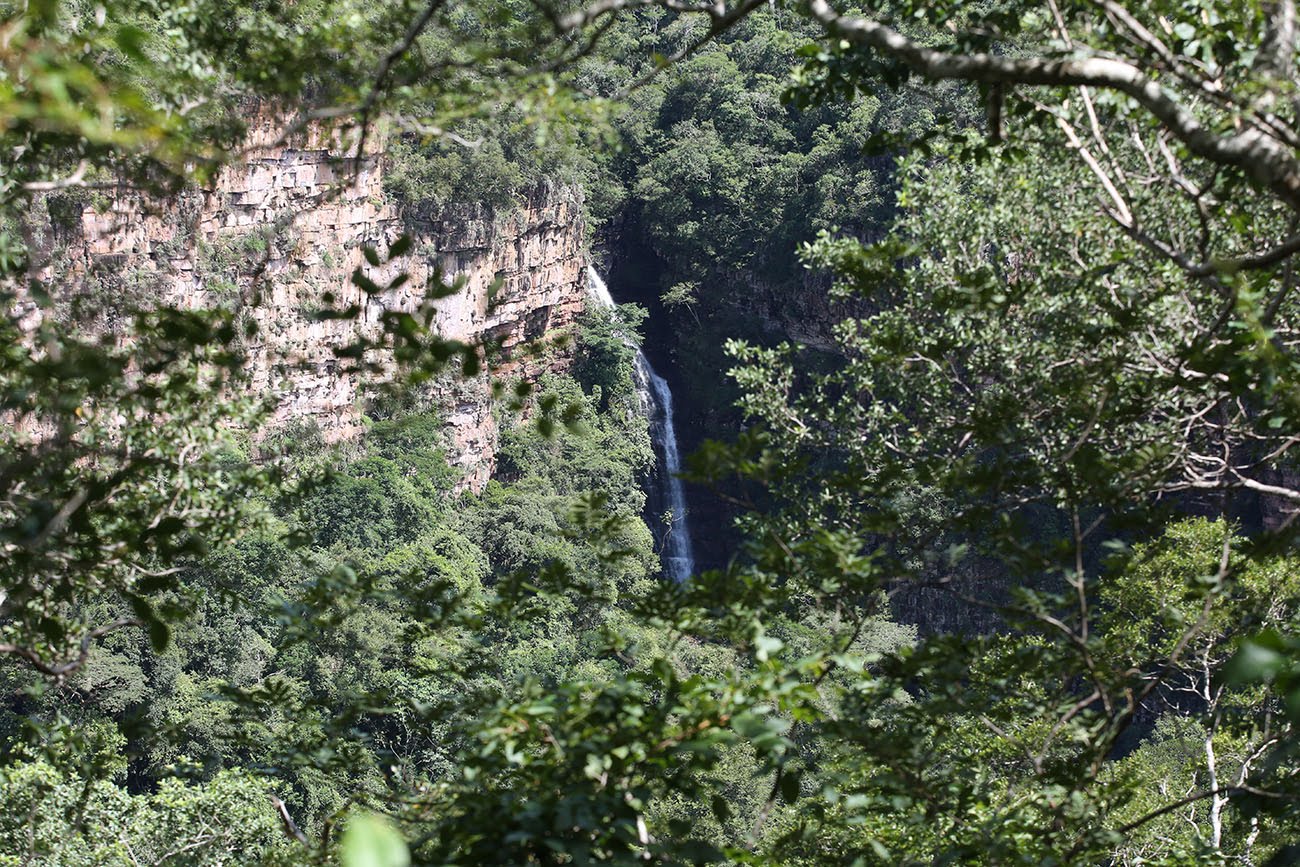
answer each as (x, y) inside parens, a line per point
(275, 233)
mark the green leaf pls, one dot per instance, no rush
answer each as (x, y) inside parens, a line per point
(130, 40)
(364, 283)
(399, 247)
(372, 841)
(766, 647)
(790, 781)
(160, 635)
(1253, 663)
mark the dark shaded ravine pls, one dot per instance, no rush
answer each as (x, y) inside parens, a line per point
(634, 277)
(666, 494)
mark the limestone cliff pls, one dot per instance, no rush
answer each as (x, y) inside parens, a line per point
(274, 232)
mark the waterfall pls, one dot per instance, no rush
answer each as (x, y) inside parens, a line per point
(656, 399)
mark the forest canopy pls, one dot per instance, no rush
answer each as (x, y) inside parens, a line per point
(987, 309)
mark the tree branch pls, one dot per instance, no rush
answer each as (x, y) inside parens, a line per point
(63, 669)
(385, 69)
(1257, 154)
(1228, 791)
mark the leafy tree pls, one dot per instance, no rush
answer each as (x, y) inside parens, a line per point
(606, 341)
(61, 820)
(1051, 380)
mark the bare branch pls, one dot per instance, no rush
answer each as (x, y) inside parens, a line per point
(1277, 51)
(1122, 212)
(1201, 796)
(76, 179)
(1256, 153)
(291, 828)
(385, 69)
(63, 669)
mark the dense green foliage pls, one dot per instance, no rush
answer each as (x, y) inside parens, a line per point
(53, 817)
(1060, 392)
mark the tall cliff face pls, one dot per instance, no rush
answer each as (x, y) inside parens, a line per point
(272, 234)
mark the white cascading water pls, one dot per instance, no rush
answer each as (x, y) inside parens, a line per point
(656, 400)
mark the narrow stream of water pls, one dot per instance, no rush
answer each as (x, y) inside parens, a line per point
(656, 399)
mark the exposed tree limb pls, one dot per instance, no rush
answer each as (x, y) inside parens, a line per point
(63, 669)
(1257, 153)
(1122, 212)
(291, 828)
(385, 69)
(1201, 796)
(1277, 52)
(76, 179)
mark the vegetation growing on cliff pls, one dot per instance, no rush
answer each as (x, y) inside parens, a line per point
(1066, 396)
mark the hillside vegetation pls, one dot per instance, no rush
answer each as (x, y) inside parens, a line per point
(988, 307)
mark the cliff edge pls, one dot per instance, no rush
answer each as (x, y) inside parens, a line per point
(273, 233)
